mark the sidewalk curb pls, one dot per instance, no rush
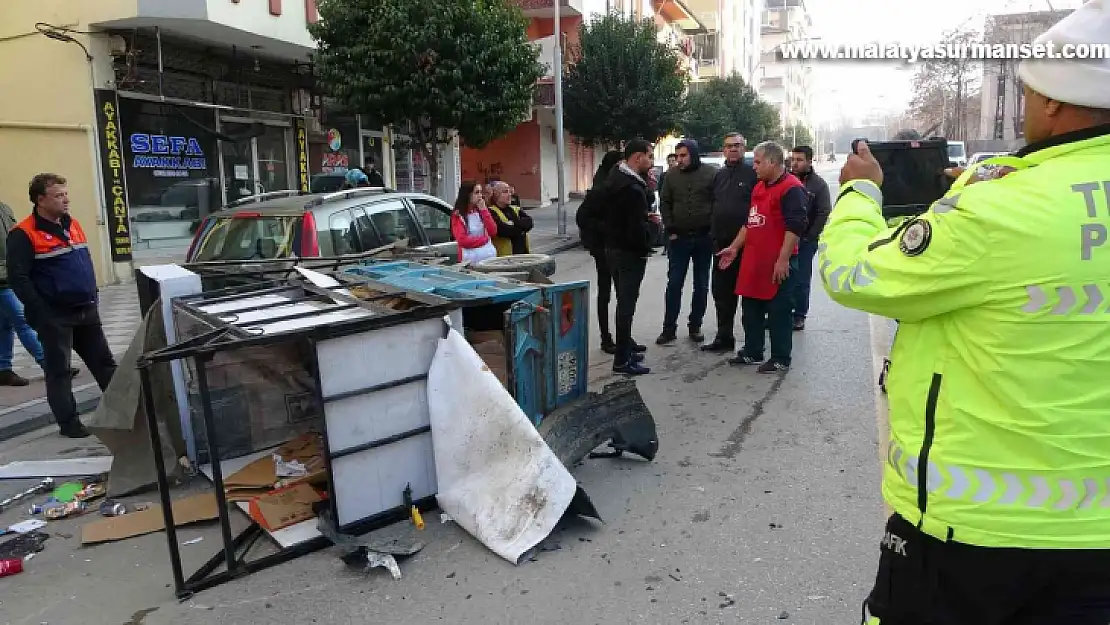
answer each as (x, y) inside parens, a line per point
(561, 246)
(40, 416)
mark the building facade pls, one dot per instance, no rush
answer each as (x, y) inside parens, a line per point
(731, 42)
(161, 111)
(1000, 113)
(526, 156)
(786, 83)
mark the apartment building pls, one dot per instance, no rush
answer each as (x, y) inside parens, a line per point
(159, 112)
(1000, 115)
(731, 41)
(787, 84)
(526, 156)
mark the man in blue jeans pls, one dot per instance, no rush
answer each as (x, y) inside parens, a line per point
(12, 321)
(686, 205)
(818, 209)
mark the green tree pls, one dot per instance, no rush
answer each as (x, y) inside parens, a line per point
(798, 134)
(434, 68)
(622, 83)
(724, 105)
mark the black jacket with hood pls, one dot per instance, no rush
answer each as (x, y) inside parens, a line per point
(686, 201)
(626, 202)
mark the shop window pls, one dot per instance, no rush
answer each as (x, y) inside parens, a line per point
(434, 218)
(172, 170)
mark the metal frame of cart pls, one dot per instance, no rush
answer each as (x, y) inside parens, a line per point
(226, 337)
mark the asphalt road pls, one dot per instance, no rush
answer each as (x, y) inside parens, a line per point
(762, 507)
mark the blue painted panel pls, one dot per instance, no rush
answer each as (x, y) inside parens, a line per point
(567, 357)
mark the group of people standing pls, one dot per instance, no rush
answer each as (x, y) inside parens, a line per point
(750, 230)
(488, 222)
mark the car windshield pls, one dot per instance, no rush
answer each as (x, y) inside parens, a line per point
(955, 150)
(246, 238)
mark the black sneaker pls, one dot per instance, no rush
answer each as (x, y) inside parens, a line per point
(696, 335)
(636, 357)
(744, 359)
(773, 366)
(637, 348)
(668, 336)
(74, 430)
(631, 368)
(799, 324)
(719, 346)
(608, 346)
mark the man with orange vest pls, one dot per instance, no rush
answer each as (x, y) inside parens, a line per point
(51, 270)
(769, 266)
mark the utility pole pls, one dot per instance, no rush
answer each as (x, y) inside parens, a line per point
(557, 67)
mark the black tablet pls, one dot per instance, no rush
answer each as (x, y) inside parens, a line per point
(913, 174)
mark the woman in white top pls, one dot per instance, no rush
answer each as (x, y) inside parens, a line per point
(472, 226)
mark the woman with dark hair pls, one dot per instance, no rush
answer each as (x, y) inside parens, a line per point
(472, 225)
(591, 229)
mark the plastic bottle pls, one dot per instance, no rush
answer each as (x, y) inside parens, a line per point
(10, 567)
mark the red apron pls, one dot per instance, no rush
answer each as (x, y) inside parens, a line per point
(763, 241)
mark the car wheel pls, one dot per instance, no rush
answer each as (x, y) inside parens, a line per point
(514, 263)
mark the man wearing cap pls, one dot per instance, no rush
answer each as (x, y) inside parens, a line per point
(997, 468)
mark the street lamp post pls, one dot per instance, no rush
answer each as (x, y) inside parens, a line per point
(559, 147)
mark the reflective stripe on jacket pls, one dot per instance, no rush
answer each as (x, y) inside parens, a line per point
(62, 271)
(998, 385)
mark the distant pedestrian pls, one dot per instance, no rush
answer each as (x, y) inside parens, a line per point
(686, 204)
(769, 267)
(591, 229)
(630, 229)
(472, 226)
(817, 215)
(732, 199)
(51, 270)
(373, 176)
(513, 224)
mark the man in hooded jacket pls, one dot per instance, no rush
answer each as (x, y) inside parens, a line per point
(686, 205)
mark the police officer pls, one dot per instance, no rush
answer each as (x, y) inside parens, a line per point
(998, 464)
(51, 270)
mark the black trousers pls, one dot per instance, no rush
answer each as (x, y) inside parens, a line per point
(604, 292)
(62, 334)
(775, 317)
(725, 298)
(628, 273)
(926, 581)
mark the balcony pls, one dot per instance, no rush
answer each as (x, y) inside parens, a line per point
(545, 8)
(677, 13)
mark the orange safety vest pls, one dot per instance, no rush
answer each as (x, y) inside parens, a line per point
(62, 271)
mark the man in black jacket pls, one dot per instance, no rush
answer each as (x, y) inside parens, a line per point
(630, 228)
(686, 204)
(732, 198)
(818, 210)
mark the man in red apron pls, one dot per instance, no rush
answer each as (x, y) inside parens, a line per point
(769, 266)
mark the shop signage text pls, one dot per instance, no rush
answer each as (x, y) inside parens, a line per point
(173, 155)
(115, 186)
(302, 156)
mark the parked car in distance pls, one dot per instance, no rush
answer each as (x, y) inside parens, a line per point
(718, 159)
(979, 157)
(287, 224)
